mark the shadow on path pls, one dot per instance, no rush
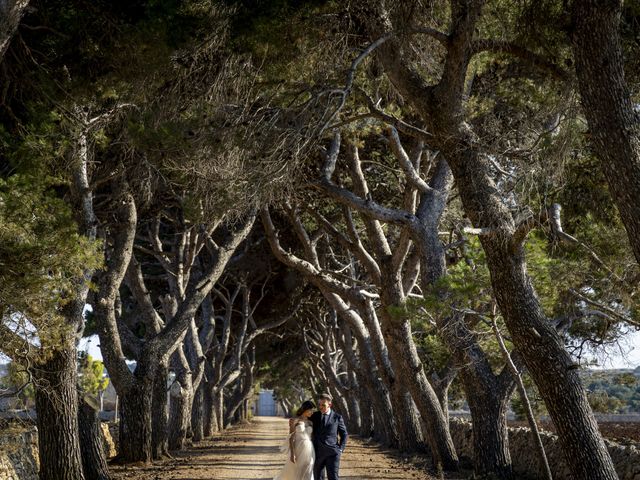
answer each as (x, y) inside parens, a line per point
(251, 452)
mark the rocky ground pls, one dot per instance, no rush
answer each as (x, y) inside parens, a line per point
(251, 452)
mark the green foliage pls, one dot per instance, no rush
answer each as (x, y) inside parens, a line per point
(546, 271)
(42, 260)
(612, 391)
(91, 377)
(601, 402)
(286, 46)
(466, 285)
(626, 379)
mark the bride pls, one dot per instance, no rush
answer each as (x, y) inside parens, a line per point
(299, 448)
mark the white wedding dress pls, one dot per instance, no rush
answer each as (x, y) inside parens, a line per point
(304, 453)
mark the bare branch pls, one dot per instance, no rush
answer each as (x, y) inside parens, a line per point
(477, 231)
(302, 265)
(351, 72)
(135, 281)
(109, 283)
(605, 308)
(332, 157)
(395, 122)
(413, 177)
(357, 249)
(441, 37)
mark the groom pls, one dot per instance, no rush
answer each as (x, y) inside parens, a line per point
(327, 426)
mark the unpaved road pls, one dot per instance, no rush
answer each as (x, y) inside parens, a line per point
(251, 452)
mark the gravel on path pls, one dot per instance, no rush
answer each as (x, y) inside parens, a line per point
(251, 451)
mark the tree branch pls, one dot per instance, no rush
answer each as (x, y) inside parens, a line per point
(117, 263)
(197, 290)
(556, 228)
(529, 57)
(413, 177)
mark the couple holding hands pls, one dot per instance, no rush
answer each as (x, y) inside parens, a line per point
(313, 444)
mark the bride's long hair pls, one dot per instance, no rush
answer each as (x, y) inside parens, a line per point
(307, 405)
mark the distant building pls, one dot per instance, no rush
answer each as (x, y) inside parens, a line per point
(265, 405)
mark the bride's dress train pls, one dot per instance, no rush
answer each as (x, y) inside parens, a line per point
(305, 455)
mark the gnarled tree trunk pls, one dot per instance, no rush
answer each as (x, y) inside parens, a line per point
(404, 357)
(160, 408)
(614, 126)
(181, 397)
(135, 423)
(197, 413)
(57, 407)
(210, 397)
(94, 458)
(367, 426)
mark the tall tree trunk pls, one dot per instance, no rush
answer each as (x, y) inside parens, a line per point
(407, 419)
(181, 400)
(415, 423)
(404, 357)
(487, 395)
(354, 404)
(491, 457)
(160, 409)
(180, 412)
(135, 424)
(367, 426)
(55, 379)
(197, 413)
(614, 127)
(209, 406)
(375, 391)
(94, 458)
(533, 335)
(353, 422)
(57, 420)
(219, 407)
(245, 390)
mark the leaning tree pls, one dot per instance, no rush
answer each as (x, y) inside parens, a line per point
(440, 104)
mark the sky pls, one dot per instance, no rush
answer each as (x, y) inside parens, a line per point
(628, 355)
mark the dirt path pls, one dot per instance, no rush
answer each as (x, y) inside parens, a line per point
(251, 452)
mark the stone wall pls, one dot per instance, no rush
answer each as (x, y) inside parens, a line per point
(626, 458)
(19, 453)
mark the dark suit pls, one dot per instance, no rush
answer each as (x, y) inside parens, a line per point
(325, 441)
